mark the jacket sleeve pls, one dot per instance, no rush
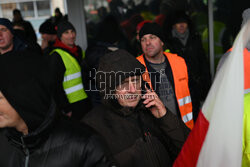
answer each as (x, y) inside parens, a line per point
(57, 69)
(175, 132)
(96, 154)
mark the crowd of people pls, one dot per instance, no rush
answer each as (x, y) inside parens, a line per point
(129, 100)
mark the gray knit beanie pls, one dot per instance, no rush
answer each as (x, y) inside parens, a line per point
(245, 16)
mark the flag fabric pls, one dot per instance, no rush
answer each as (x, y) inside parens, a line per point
(216, 139)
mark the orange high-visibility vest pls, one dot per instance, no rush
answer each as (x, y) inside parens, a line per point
(182, 93)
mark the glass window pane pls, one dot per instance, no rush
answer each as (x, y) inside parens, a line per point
(7, 10)
(27, 9)
(43, 8)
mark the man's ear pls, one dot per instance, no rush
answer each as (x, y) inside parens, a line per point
(162, 44)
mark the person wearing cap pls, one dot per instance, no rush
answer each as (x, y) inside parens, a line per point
(32, 133)
(139, 130)
(22, 34)
(136, 41)
(30, 32)
(58, 17)
(48, 32)
(12, 44)
(183, 40)
(67, 63)
(167, 73)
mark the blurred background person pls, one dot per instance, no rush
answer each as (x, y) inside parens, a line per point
(48, 32)
(21, 33)
(58, 17)
(182, 39)
(30, 32)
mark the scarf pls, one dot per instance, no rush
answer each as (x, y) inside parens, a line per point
(73, 50)
(182, 37)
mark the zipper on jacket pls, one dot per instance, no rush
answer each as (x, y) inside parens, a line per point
(26, 152)
(155, 159)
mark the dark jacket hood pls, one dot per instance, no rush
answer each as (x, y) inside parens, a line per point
(113, 69)
(19, 45)
(23, 83)
(177, 17)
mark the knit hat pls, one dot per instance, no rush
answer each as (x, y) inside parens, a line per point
(47, 28)
(5, 22)
(152, 28)
(245, 16)
(140, 25)
(114, 68)
(180, 17)
(23, 83)
(64, 26)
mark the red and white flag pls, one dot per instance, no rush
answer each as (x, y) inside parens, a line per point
(216, 139)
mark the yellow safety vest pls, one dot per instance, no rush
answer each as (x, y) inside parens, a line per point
(72, 83)
(246, 118)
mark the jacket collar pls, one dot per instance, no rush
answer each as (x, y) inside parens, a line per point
(35, 138)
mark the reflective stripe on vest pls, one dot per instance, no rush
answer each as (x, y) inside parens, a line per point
(72, 83)
(185, 100)
(246, 118)
(182, 93)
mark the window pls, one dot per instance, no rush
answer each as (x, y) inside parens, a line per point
(27, 9)
(7, 10)
(43, 8)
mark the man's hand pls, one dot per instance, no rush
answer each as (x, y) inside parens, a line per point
(154, 104)
(44, 44)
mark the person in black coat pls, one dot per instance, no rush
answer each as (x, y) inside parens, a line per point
(30, 32)
(182, 39)
(139, 130)
(48, 34)
(32, 133)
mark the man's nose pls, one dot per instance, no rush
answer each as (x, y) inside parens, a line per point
(132, 87)
(147, 41)
(71, 34)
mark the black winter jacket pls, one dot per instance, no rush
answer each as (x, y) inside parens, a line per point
(63, 144)
(136, 138)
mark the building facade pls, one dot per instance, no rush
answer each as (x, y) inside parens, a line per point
(35, 11)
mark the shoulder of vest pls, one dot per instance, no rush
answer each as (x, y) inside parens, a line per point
(57, 50)
(139, 57)
(174, 56)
